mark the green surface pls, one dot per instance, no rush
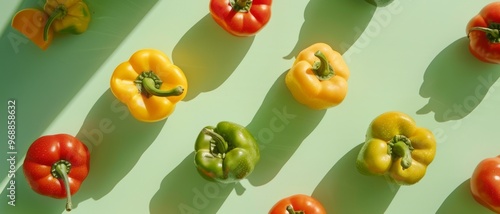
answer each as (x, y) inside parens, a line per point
(410, 56)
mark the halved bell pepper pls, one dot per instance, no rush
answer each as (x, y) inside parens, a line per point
(30, 22)
(226, 153)
(149, 84)
(318, 77)
(397, 147)
(67, 16)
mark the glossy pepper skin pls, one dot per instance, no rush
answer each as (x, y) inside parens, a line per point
(318, 77)
(149, 84)
(30, 22)
(226, 153)
(485, 183)
(397, 147)
(56, 165)
(241, 17)
(483, 31)
(67, 16)
(298, 204)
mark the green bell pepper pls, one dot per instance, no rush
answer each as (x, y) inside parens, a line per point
(226, 153)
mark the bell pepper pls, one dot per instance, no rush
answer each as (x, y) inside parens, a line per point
(226, 153)
(318, 77)
(397, 147)
(149, 84)
(66, 16)
(30, 22)
(485, 183)
(380, 3)
(241, 17)
(483, 31)
(298, 204)
(56, 165)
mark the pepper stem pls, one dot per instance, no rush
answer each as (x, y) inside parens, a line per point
(149, 84)
(400, 146)
(241, 5)
(220, 144)
(322, 68)
(61, 169)
(58, 12)
(493, 34)
(290, 210)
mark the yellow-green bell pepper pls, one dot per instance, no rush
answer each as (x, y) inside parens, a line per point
(395, 146)
(66, 16)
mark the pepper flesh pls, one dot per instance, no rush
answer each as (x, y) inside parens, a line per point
(483, 31)
(226, 153)
(485, 183)
(30, 22)
(241, 17)
(67, 16)
(149, 84)
(396, 147)
(56, 166)
(318, 77)
(298, 204)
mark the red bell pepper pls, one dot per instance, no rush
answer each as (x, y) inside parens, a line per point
(485, 183)
(298, 204)
(241, 17)
(56, 165)
(483, 31)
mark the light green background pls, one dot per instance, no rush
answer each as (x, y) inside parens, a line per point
(411, 56)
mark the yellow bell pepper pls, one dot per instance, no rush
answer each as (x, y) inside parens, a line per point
(318, 77)
(67, 16)
(149, 84)
(397, 147)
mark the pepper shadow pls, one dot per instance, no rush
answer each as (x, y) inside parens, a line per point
(338, 23)
(345, 190)
(184, 190)
(460, 201)
(44, 82)
(456, 82)
(116, 141)
(279, 126)
(208, 55)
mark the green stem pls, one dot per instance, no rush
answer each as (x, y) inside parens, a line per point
(149, 85)
(492, 33)
(60, 170)
(58, 12)
(220, 144)
(401, 147)
(290, 210)
(241, 5)
(322, 68)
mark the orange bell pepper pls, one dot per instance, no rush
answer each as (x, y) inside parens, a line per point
(149, 84)
(318, 77)
(31, 22)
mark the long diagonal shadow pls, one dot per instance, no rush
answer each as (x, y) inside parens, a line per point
(208, 55)
(184, 190)
(456, 83)
(345, 190)
(44, 82)
(280, 125)
(338, 23)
